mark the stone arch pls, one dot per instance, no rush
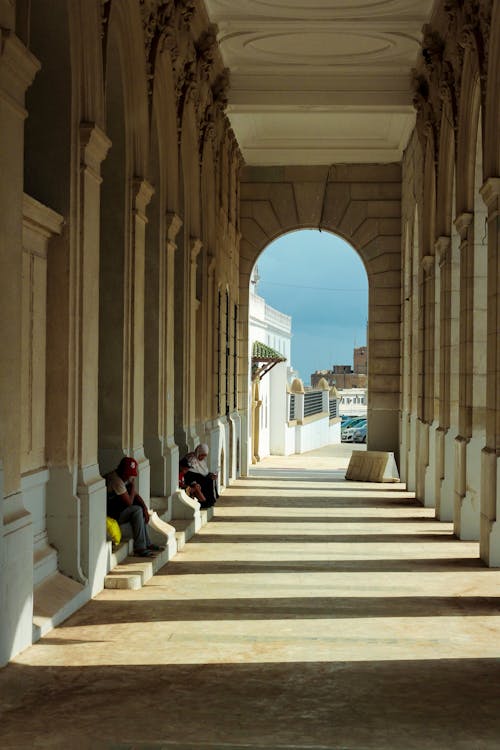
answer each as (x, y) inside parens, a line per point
(445, 170)
(164, 120)
(361, 204)
(125, 30)
(468, 122)
(491, 162)
(87, 20)
(190, 170)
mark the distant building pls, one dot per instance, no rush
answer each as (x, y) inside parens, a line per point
(353, 402)
(344, 376)
(361, 360)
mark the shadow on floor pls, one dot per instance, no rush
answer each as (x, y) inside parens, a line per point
(424, 565)
(375, 705)
(283, 519)
(103, 612)
(357, 537)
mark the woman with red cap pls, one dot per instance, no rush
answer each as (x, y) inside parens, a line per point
(126, 506)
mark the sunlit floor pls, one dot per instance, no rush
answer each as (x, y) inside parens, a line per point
(310, 613)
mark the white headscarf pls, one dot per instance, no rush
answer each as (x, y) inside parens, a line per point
(197, 465)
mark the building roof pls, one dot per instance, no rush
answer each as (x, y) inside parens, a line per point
(264, 358)
(263, 353)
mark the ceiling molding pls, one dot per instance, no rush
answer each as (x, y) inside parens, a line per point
(318, 80)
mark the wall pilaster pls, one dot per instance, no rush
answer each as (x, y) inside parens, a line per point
(444, 500)
(490, 468)
(465, 517)
(17, 71)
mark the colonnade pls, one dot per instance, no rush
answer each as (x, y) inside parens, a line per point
(120, 276)
(450, 423)
(129, 233)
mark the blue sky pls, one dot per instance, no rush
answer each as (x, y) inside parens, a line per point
(320, 281)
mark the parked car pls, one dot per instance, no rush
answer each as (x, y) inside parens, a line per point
(359, 434)
(347, 433)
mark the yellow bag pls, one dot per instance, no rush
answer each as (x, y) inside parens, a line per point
(113, 531)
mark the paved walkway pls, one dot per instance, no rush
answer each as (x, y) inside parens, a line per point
(310, 613)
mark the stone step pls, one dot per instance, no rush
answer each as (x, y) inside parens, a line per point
(54, 600)
(131, 572)
(135, 571)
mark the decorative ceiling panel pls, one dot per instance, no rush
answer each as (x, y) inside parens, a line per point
(301, 70)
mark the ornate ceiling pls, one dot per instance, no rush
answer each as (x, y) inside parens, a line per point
(320, 82)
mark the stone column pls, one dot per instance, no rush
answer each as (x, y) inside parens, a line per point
(76, 500)
(444, 498)
(191, 365)
(243, 374)
(256, 406)
(17, 71)
(426, 482)
(94, 146)
(465, 228)
(490, 469)
(169, 299)
(133, 355)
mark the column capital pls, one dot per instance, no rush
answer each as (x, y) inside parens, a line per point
(174, 223)
(490, 191)
(427, 264)
(196, 245)
(94, 145)
(18, 66)
(442, 248)
(212, 262)
(143, 192)
(463, 222)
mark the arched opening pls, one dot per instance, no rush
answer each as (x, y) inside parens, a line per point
(308, 353)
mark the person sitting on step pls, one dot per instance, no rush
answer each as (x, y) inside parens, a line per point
(193, 489)
(200, 473)
(126, 506)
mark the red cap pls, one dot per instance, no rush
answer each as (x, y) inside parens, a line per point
(129, 467)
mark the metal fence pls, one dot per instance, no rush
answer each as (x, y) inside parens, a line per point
(333, 408)
(291, 410)
(313, 403)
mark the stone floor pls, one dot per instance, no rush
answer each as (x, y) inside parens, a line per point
(309, 613)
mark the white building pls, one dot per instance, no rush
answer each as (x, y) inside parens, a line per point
(273, 329)
(353, 402)
(284, 418)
